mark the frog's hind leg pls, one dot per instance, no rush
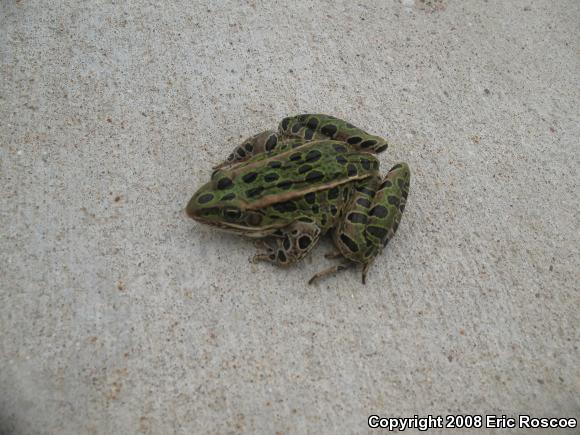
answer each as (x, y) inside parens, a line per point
(312, 126)
(261, 143)
(373, 217)
(296, 240)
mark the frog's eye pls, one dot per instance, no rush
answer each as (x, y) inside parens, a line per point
(232, 213)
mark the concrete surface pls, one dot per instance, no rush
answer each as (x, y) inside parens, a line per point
(118, 315)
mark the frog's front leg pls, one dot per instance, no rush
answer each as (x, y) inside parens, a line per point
(292, 244)
(262, 142)
(374, 216)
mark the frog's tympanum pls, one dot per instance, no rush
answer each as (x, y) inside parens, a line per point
(316, 173)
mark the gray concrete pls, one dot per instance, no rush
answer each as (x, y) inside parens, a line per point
(119, 315)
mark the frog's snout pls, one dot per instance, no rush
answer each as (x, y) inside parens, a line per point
(192, 210)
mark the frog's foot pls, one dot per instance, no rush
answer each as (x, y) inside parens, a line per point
(374, 217)
(312, 126)
(260, 143)
(296, 240)
(264, 251)
(331, 270)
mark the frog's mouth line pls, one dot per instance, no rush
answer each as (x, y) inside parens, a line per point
(233, 228)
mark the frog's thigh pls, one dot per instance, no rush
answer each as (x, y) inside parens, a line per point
(374, 216)
(262, 142)
(312, 126)
(296, 240)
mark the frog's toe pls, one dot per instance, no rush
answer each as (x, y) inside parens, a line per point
(270, 258)
(365, 270)
(330, 271)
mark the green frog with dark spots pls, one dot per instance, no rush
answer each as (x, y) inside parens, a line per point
(316, 174)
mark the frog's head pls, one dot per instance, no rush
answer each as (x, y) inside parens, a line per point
(218, 205)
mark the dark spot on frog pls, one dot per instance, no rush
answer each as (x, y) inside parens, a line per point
(271, 142)
(379, 211)
(229, 196)
(339, 148)
(281, 256)
(308, 134)
(271, 177)
(313, 156)
(310, 197)
(314, 176)
(365, 191)
(296, 127)
(365, 164)
(341, 160)
(254, 192)
(295, 157)
(224, 183)
(354, 140)
(393, 200)
(304, 242)
(285, 207)
(329, 130)
(357, 218)
(250, 177)
(363, 202)
(240, 151)
(382, 148)
(350, 244)
(351, 170)
(285, 185)
(284, 124)
(378, 232)
(333, 193)
(203, 199)
(312, 123)
(386, 184)
(368, 143)
(275, 165)
(304, 168)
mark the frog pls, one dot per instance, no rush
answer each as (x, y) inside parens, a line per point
(315, 174)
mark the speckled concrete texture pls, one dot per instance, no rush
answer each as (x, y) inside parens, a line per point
(119, 315)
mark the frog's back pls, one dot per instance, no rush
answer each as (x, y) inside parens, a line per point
(315, 166)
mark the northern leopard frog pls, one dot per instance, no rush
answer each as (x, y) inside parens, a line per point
(316, 173)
